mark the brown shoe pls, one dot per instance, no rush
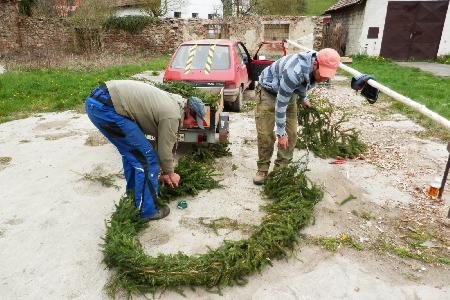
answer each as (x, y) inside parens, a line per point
(260, 177)
(162, 213)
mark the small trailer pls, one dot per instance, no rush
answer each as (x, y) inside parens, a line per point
(216, 127)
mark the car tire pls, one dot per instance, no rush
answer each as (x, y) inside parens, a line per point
(252, 85)
(236, 105)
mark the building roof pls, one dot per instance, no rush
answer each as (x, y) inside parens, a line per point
(342, 4)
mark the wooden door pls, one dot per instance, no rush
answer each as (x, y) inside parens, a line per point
(413, 29)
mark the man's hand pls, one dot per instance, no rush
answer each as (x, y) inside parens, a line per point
(166, 180)
(175, 178)
(172, 179)
(305, 104)
(283, 142)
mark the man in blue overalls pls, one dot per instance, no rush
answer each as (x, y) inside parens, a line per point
(125, 111)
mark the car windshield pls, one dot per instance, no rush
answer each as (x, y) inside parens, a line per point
(220, 57)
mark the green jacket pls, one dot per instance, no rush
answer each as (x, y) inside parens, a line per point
(157, 112)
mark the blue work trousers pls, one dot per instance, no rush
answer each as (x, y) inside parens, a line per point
(140, 162)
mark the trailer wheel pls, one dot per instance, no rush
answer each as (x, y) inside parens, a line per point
(236, 105)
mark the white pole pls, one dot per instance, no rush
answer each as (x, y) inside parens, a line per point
(405, 100)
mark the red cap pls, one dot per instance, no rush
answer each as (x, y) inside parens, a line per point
(328, 60)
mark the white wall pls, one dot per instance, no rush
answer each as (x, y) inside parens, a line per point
(375, 15)
(444, 47)
(202, 7)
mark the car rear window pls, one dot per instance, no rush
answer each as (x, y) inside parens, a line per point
(220, 59)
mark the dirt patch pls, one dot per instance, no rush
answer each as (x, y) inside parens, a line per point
(95, 139)
(4, 162)
(399, 228)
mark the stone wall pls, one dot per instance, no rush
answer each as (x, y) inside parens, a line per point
(161, 37)
(9, 27)
(345, 30)
(29, 35)
(45, 35)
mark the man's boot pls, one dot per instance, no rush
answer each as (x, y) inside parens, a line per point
(260, 177)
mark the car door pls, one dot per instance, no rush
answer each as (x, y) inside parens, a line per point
(266, 54)
(244, 60)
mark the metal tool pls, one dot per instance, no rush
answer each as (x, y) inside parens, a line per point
(444, 179)
(338, 162)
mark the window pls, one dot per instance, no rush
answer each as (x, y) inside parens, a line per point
(276, 32)
(220, 61)
(213, 31)
(373, 32)
(242, 54)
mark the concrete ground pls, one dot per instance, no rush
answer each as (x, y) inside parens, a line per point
(52, 218)
(436, 69)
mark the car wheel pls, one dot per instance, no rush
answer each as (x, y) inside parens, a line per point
(236, 105)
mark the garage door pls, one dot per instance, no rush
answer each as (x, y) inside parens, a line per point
(413, 29)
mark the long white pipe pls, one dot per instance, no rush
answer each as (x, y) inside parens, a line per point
(405, 100)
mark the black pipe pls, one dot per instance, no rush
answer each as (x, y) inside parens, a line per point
(444, 179)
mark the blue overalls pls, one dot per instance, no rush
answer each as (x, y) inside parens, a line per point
(140, 162)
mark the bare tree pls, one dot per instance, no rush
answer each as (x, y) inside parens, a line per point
(159, 8)
(240, 7)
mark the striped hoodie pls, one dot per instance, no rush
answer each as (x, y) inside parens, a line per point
(286, 76)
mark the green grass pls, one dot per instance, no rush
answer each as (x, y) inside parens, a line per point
(317, 7)
(423, 87)
(45, 90)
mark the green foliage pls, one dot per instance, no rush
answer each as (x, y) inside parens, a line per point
(25, 7)
(318, 7)
(348, 199)
(294, 7)
(325, 137)
(333, 243)
(197, 170)
(44, 90)
(131, 24)
(363, 214)
(106, 180)
(134, 271)
(443, 59)
(411, 251)
(186, 90)
(227, 223)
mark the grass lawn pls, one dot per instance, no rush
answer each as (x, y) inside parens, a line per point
(422, 87)
(317, 7)
(56, 89)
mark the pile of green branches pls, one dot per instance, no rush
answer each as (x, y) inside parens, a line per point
(131, 24)
(325, 137)
(294, 198)
(197, 171)
(186, 90)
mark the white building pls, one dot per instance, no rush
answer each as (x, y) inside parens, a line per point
(202, 8)
(399, 29)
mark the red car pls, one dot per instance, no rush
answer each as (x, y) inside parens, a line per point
(219, 64)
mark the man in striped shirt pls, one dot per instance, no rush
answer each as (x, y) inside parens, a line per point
(280, 85)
